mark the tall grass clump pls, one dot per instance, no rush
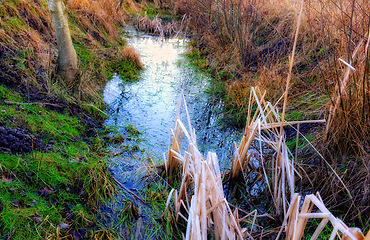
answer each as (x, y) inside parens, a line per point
(346, 41)
(247, 43)
(342, 30)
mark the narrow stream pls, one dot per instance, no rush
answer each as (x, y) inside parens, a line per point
(150, 105)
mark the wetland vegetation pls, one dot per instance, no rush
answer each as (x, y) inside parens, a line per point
(278, 89)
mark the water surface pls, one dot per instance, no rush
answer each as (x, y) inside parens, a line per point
(150, 104)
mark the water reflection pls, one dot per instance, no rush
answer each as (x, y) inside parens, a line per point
(150, 104)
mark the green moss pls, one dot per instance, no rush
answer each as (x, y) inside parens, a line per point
(295, 116)
(42, 187)
(301, 144)
(128, 71)
(58, 172)
(8, 95)
(307, 107)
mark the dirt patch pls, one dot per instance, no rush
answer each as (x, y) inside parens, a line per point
(19, 141)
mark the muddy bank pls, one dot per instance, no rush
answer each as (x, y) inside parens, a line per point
(20, 141)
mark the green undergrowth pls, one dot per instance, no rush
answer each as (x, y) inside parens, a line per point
(164, 224)
(64, 184)
(165, 12)
(302, 143)
(307, 107)
(197, 57)
(235, 112)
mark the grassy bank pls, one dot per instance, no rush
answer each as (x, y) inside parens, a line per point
(61, 181)
(52, 152)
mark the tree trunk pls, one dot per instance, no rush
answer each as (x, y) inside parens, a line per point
(67, 58)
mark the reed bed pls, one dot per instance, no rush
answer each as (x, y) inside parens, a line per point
(157, 27)
(264, 125)
(200, 200)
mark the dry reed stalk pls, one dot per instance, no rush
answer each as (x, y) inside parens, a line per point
(266, 117)
(172, 161)
(155, 26)
(207, 209)
(341, 90)
(295, 221)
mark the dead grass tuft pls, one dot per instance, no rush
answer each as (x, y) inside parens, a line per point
(101, 14)
(128, 53)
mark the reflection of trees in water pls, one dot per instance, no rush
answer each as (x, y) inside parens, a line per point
(150, 104)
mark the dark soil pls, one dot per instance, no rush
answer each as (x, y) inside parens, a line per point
(19, 141)
(304, 128)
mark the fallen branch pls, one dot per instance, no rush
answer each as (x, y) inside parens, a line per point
(127, 190)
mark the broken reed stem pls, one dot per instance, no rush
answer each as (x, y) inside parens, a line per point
(295, 221)
(291, 60)
(207, 209)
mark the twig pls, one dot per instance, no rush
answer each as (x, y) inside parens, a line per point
(128, 190)
(92, 105)
(277, 124)
(138, 225)
(32, 103)
(11, 234)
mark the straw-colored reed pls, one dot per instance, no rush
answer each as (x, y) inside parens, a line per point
(201, 195)
(200, 199)
(296, 220)
(157, 27)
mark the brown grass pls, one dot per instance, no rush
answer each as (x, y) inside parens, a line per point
(129, 54)
(250, 41)
(102, 14)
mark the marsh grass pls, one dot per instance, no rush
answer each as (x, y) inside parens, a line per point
(329, 78)
(157, 26)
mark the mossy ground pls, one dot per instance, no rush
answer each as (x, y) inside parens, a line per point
(40, 190)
